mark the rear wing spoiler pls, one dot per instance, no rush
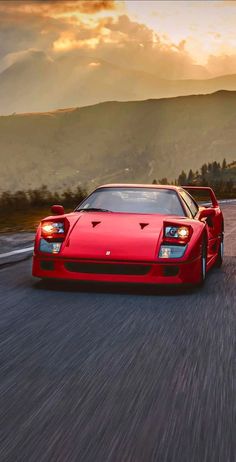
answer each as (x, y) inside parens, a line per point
(203, 189)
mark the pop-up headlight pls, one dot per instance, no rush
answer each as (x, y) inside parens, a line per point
(177, 232)
(53, 233)
(53, 230)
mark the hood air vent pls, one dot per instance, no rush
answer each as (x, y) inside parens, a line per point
(143, 225)
(95, 223)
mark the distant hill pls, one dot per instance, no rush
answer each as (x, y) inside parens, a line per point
(114, 141)
(39, 83)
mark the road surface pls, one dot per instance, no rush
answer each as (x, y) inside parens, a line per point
(115, 374)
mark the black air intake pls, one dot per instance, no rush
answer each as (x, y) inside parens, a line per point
(107, 268)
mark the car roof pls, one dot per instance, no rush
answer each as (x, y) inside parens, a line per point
(130, 185)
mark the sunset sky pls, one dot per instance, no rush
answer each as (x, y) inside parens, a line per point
(176, 39)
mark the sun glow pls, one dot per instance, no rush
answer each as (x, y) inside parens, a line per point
(94, 64)
(68, 43)
(205, 28)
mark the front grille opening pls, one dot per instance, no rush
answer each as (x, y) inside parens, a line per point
(47, 265)
(170, 270)
(107, 268)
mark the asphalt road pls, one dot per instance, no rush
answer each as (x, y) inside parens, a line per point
(115, 374)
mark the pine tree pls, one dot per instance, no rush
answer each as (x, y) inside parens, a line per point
(224, 164)
(204, 170)
(215, 169)
(163, 181)
(182, 180)
(190, 177)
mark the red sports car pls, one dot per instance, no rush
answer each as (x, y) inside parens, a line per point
(151, 234)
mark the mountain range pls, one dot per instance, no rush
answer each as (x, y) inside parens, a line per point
(36, 82)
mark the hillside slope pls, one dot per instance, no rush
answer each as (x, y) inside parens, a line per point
(131, 141)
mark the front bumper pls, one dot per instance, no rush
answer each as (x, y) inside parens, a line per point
(178, 272)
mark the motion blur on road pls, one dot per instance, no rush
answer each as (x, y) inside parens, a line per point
(117, 374)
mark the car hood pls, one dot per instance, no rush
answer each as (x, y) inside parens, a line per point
(115, 236)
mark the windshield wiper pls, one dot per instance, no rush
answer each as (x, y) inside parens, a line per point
(92, 209)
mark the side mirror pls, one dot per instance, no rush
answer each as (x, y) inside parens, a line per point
(57, 210)
(207, 213)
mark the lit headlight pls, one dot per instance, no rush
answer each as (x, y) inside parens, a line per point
(53, 228)
(172, 251)
(183, 232)
(178, 232)
(49, 247)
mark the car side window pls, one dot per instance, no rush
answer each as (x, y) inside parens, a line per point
(192, 206)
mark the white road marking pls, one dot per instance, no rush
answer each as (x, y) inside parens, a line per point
(224, 201)
(16, 252)
(227, 201)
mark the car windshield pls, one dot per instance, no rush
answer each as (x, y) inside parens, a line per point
(134, 200)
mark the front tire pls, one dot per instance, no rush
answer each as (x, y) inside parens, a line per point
(203, 268)
(220, 254)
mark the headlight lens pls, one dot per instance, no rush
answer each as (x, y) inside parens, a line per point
(183, 232)
(178, 232)
(49, 247)
(53, 228)
(172, 251)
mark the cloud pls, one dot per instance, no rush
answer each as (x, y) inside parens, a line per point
(222, 64)
(20, 31)
(130, 44)
(57, 7)
(99, 29)
(114, 37)
(70, 57)
(38, 24)
(117, 39)
(95, 6)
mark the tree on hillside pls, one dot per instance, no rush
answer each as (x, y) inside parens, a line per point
(216, 168)
(204, 170)
(68, 197)
(209, 167)
(40, 196)
(224, 164)
(182, 178)
(79, 195)
(215, 175)
(163, 181)
(21, 200)
(190, 177)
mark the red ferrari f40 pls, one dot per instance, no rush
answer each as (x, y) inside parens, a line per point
(152, 234)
